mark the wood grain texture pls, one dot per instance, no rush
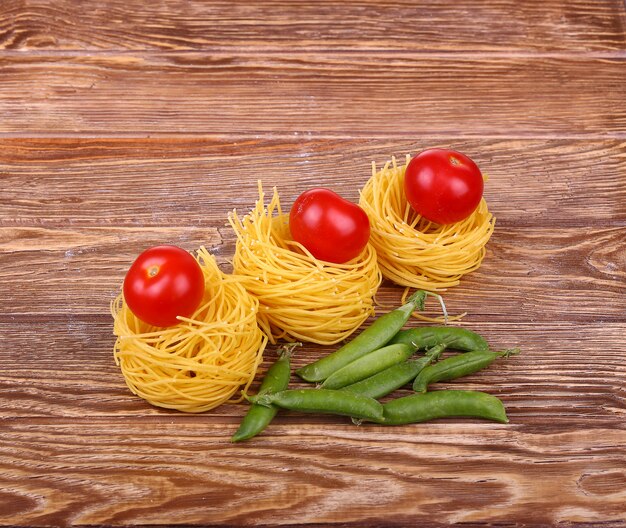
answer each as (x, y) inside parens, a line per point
(365, 475)
(356, 94)
(531, 272)
(476, 25)
(127, 124)
(177, 181)
(567, 373)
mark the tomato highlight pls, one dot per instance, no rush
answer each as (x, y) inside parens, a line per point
(164, 282)
(332, 228)
(443, 185)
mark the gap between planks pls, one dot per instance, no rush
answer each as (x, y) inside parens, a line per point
(307, 136)
(257, 50)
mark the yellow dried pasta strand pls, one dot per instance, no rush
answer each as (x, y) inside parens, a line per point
(300, 298)
(411, 250)
(202, 362)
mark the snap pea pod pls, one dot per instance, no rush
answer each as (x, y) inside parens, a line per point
(429, 336)
(457, 366)
(324, 401)
(372, 338)
(259, 416)
(367, 366)
(419, 408)
(394, 377)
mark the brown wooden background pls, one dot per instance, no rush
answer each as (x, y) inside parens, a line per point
(126, 123)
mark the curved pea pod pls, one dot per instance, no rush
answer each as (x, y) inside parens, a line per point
(372, 338)
(429, 336)
(367, 366)
(259, 416)
(419, 408)
(456, 367)
(392, 378)
(324, 401)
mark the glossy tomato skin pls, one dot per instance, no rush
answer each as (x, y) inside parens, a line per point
(442, 185)
(162, 283)
(331, 228)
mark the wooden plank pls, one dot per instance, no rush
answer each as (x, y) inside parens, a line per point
(119, 472)
(356, 94)
(475, 25)
(567, 373)
(305, 95)
(532, 274)
(65, 269)
(196, 182)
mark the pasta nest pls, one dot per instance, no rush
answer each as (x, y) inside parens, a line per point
(413, 251)
(204, 360)
(301, 298)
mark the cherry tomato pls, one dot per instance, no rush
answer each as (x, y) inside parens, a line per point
(164, 281)
(444, 186)
(331, 228)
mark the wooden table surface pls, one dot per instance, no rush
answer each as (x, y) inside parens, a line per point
(125, 124)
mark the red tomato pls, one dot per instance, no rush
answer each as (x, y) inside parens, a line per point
(444, 186)
(330, 227)
(164, 281)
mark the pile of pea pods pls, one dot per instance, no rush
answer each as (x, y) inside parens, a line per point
(351, 380)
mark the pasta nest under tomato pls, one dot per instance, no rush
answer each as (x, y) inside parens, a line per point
(413, 251)
(301, 298)
(204, 360)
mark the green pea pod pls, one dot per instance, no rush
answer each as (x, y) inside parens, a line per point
(259, 416)
(372, 338)
(323, 401)
(367, 366)
(456, 367)
(394, 377)
(429, 336)
(419, 408)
